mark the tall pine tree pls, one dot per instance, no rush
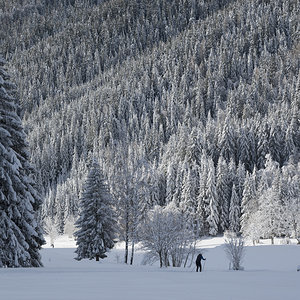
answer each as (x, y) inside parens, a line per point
(20, 233)
(96, 223)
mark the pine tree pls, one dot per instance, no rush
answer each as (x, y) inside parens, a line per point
(202, 203)
(263, 145)
(289, 145)
(189, 197)
(244, 149)
(212, 198)
(276, 143)
(240, 180)
(96, 223)
(249, 205)
(234, 211)
(227, 143)
(170, 182)
(223, 187)
(20, 233)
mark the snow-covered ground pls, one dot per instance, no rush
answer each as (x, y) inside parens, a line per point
(270, 273)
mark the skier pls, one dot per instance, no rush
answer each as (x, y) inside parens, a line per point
(198, 262)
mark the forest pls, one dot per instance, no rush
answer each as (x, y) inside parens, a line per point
(191, 107)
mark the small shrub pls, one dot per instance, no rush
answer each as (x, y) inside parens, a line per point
(235, 251)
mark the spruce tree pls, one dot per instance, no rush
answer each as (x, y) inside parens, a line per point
(249, 203)
(96, 223)
(212, 198)
(234, 211)
(20, 234)
(202, 202)
(223, 187)
(170, 182)
(189, 198)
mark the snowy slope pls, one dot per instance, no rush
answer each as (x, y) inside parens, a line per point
(270, 273)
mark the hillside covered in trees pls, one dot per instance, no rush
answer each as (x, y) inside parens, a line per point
(183, 102)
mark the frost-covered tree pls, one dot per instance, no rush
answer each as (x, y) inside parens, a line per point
(235, 251)
(189, 198)
(202, 203)
(240, 180)
(212, 198)
(227, 144)
(165, 234)
(170, 182)
(253, 230)
(291, 200)
(249, 204)
(51, 228)
(271, 212)
(20, 233)
(263, 145)
(293, 217)
(223, 188)
(234, 211)
(96, 224)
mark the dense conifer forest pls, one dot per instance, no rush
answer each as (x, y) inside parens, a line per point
(183, 102)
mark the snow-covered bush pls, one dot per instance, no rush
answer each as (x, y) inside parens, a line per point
(235, 251)
(165, 234)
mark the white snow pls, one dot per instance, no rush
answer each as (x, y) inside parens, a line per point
(270, 273)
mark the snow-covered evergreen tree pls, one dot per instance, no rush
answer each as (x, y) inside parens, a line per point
(212, 198)
(21, 235)
(249, 205)
(202, 203)
(234, 211)
(170, 182)
(223, 188)
(189, 198)
(96, 224)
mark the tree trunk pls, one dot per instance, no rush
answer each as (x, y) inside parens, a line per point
(126, 248)
(126, 236)
(132, 252)
(272, 240)
(160, 259)
(97, 257)
(166, 259)
(192, 250)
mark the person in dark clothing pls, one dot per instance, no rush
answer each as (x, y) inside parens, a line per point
(198, 262)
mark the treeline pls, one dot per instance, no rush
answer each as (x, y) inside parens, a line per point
(181, 101)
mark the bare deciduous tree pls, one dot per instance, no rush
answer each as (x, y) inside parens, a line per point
(165, 234)
(235, 251)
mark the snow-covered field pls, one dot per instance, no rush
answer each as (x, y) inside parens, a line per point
(270, 273)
